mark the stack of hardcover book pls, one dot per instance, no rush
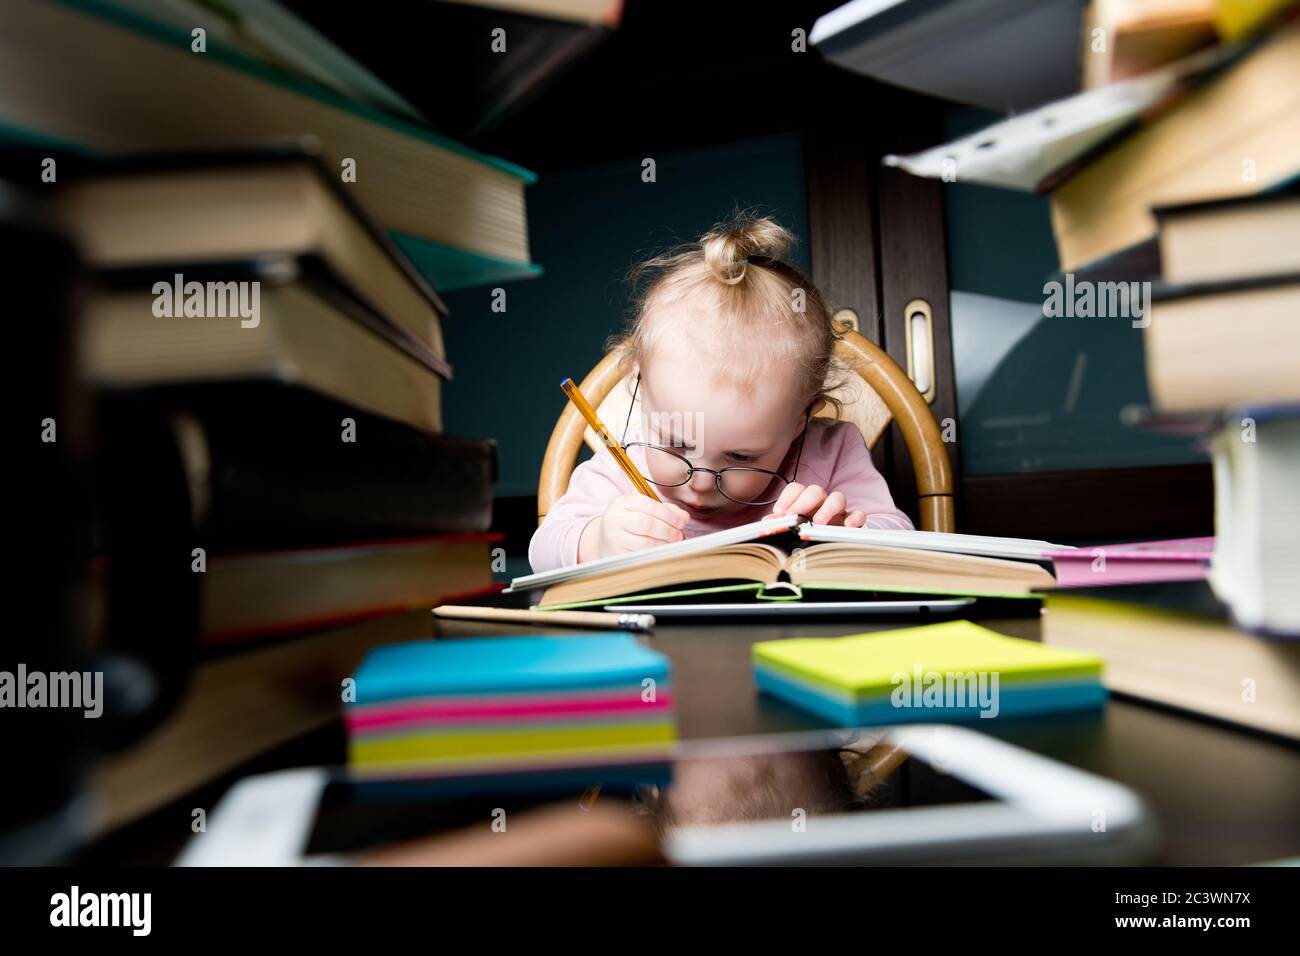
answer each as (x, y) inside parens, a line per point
(274, 492)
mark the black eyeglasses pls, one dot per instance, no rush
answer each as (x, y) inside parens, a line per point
(739, 483)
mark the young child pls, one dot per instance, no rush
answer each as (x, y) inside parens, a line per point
(729, 352)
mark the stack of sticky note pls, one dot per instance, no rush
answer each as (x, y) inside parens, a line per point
(951, 671)
(508, 704)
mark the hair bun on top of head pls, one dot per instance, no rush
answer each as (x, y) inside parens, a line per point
(730, 247)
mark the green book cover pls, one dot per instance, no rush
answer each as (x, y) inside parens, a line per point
(444, 266)
(234, 57)
(785, 592)
(448, 268)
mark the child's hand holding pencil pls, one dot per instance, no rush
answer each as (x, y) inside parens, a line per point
(630, 522)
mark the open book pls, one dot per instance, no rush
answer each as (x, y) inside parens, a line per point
(779, 557)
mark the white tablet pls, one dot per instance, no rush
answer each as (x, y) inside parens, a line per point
(915, 794)
(952, 796)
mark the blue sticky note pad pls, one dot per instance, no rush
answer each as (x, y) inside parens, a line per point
(507, 665)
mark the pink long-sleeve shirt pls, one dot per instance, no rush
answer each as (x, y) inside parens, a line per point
(834, 457)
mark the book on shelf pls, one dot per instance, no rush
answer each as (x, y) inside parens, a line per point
(262, 474)
(87, 74)
(494, 85)
(1217, 240)
(1124, 38)
(1138, 36)
(266, 468)
(1039, 147)
(1174, 644)
(1256, 564)
(579, 11)
(1036, 150)
(1255, 455)
(1255, 459)
(1236, 135)
(1197, 359)
(269, 31)
(778, 558)
(1221, 361)
(309, 334)
(273, 205)
(1197, 227)
(1217, 257)
(257, 594)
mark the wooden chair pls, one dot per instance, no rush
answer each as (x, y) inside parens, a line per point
(879, 393)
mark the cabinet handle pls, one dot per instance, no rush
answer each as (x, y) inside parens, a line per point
(918, 321)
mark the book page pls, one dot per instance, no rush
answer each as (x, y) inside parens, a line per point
(748, 561)
(746, 532)
(871, 568)
(1025, 549)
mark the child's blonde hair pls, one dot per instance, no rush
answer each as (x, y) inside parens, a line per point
(759, 311)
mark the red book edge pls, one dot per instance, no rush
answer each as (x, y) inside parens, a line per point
(223, 639)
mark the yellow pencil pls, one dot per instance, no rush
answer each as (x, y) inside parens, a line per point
(620, 456)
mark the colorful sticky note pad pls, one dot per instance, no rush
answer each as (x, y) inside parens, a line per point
(513, 703)
(953, 670)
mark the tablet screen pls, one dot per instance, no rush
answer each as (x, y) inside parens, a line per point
(783, 777)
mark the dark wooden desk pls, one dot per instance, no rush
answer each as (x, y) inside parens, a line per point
(1222, 796)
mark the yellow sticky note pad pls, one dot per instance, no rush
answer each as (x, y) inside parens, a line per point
(866, 665)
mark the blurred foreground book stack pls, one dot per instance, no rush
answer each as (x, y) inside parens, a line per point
(113, 75)
(1201, 204)
(1172, 179)
(269, 490)
(1230, 132)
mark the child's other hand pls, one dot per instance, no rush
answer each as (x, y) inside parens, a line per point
(632, 523)
(813, 500)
